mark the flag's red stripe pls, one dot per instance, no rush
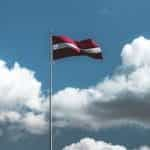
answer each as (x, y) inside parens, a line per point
(85, 44)
(62, 39)
(64, 52)
(93, 55)
(68, 52)
(81, 44)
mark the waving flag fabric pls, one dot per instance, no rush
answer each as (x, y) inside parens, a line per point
(66, 47)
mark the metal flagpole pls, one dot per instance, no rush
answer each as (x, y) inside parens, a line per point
(51, 90)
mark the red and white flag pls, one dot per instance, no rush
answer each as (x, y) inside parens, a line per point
(66, 47)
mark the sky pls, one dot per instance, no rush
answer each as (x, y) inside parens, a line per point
(101, 103)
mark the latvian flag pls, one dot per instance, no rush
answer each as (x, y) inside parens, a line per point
(66, 47)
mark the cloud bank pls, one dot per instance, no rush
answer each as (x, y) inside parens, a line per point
(91, 144)
(120, 99)
(23, 107)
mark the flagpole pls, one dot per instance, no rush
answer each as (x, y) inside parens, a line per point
(51, 89)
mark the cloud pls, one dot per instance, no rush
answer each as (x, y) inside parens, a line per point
(143, 148)
(120, 99)
(91, 144)
(137, 53)
(36, 124)
(22, 103)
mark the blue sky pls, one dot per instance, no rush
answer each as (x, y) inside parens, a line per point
(24, 38)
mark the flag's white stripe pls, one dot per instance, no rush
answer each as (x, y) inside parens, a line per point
(64, 45)
(70, 45)
(92, 50)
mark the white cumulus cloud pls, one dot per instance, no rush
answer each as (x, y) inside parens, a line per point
(22, 103)
(137, 53)
(144, 148)
(92, 144)
(122, 98)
